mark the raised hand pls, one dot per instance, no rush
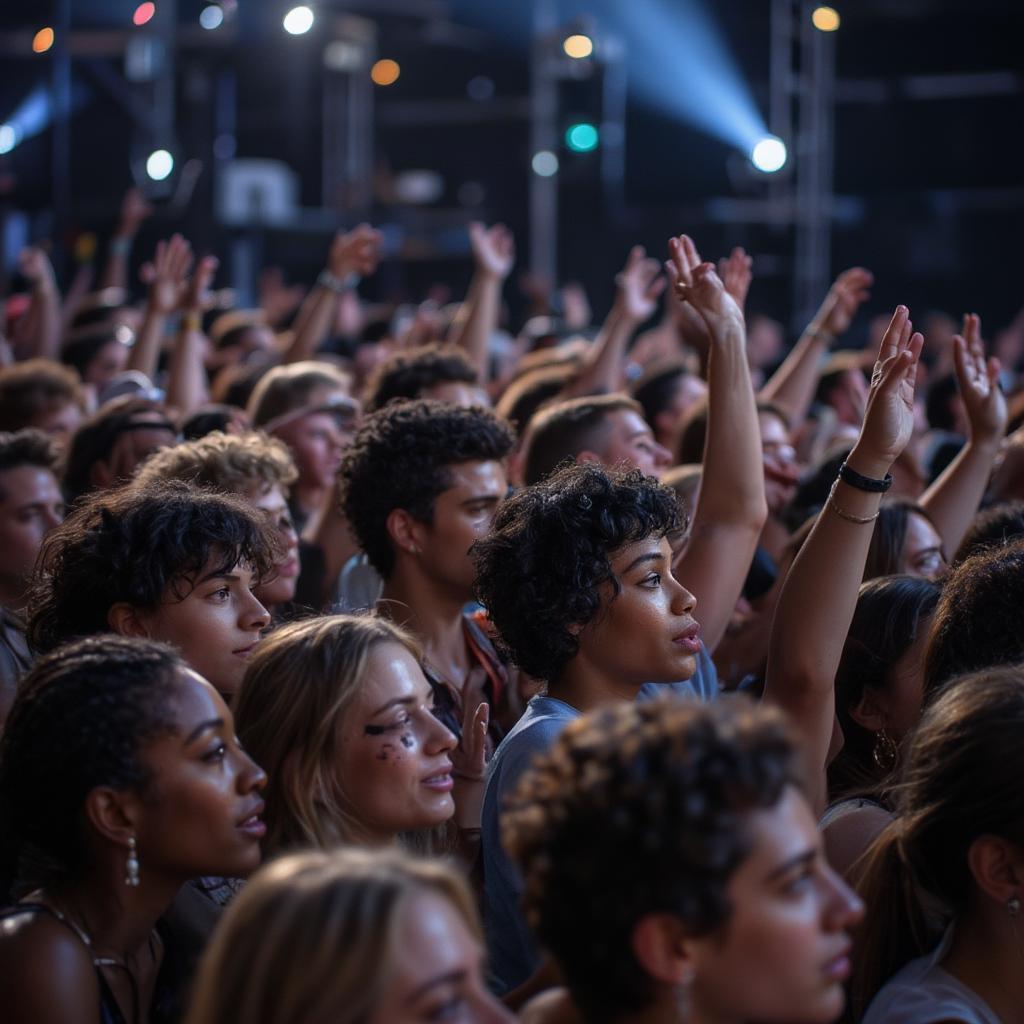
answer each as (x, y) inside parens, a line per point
(979, 382)
(889, 416)
(35, 266)
(134, 210)
(494, 249)
(196, 294)
(639, 284)
(736, 273)
(848, 293)
(700, 287)
(469, 761)
(166, 275)
(355, 252)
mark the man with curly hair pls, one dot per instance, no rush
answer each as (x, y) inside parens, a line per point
(441, 372)
(576, 576)
(420, 484)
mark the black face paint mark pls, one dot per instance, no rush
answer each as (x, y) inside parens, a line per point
(407, 740)
(384, 753)
(376, 730)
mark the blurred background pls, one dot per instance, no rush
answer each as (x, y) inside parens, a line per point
(885, 133)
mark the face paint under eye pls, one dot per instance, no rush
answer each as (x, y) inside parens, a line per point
(407, 741)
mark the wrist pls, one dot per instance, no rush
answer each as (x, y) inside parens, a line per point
(817, 333)
(869, 464)
(121, 243)
(191, 320)
(337, 282)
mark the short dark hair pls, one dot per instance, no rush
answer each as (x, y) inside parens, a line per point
(562, 430)
(885, 555)
(645, 804)
(978, 622)
(33, 387)
(409, 374)
(656, 389)
(540, 570)
(400, 459)
(132, 543)
(531, 391)
(25, 448)
(78, 721)
(80, 351)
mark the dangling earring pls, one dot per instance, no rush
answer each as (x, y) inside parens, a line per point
(1013, 906)
(884, 752)
(682, 993)
(131, 877)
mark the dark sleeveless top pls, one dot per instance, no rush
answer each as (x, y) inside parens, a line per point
(163, 1009)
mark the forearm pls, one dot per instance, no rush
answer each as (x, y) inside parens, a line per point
(953, 499)
(187, 386)
(792, 385)
(115, 270)
(314, 322)
(476, 320)
(145, 353)
(46, 298)
(602, 371)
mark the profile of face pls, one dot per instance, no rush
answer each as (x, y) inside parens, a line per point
(629, 444)
(60, 422)
(31, 505)
(765, 341)
(787, 934)
(436, 969)
(317, 442)
(281, 588)
(458, 392)
(214, 620)
(393, 771)
(646, 633)
(463, 514)
(922, 549)
(781, 473)
(106, 364)
(200, 813)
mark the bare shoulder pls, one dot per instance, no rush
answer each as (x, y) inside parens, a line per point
(849, 835)
(554, 1006)
(46, 972)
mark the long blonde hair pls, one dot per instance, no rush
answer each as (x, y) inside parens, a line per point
(310, 938)
(297, 689)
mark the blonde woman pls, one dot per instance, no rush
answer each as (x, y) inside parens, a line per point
(352, 937)
(340, 712)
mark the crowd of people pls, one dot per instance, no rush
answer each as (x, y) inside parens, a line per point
(376, 663)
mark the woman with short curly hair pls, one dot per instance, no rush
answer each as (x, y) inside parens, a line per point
(678, 832)
(576, 575)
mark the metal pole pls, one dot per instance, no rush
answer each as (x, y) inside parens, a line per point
(61, 139)
(543, 135)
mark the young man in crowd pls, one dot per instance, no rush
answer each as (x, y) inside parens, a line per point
(31, 505)
(420, 484)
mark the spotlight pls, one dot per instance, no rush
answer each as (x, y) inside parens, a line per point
(8, 138)
(42, 40)
(299, 20)
(159, 164)
(769, 155)
(578, 46)
(211, 17)
(825, 19)
(385, 72)
(544, 163)
(582, 137)
(143, 13)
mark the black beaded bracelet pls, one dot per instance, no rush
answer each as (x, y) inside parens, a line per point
(864, 483)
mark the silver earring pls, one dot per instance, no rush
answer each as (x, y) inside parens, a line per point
(682, 995)
(131, 877)
(1013, 906)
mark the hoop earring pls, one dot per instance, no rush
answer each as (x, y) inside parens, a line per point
(131, 877)
(884, 752)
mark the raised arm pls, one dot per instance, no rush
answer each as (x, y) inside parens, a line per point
(186, 378)
(819, 595)
(953, 499)
(166, 277)
(41, 337)
(494, 254)
(638, 286)
(353, 254)
(134, 210)
(731, 509)
(793, 383)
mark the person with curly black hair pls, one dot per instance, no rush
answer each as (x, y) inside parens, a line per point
(679, 834)
(120, 780)
(419, 485)
(441, 372)
(167, 562)
(576, 576)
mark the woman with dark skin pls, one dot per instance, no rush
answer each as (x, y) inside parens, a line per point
(120, 780)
